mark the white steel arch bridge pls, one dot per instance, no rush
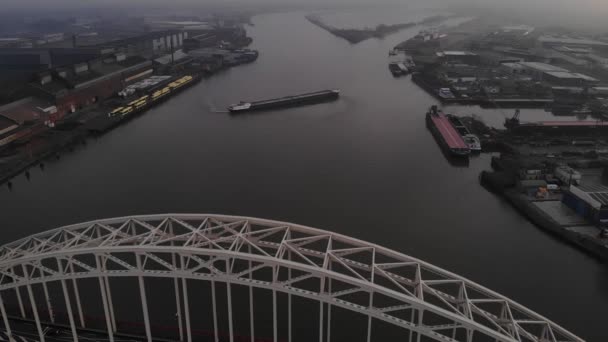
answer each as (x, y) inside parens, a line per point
(426, 302)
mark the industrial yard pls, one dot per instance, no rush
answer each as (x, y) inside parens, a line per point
(91, 83)
(555, 172)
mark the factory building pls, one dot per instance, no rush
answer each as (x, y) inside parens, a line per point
(172, 62)
(184, 25)
(550, 73)
(200, 40)
(33, 60)
(149, 44)
(83, 84)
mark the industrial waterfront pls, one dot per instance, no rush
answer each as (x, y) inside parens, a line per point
(364, 166)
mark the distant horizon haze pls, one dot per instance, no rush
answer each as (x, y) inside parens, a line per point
(580, 14)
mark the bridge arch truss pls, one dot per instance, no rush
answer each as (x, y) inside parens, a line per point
(429, 303)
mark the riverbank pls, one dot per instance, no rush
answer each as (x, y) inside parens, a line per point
(355, 36)
(96, 121)
(535, 188)
(545, 215)
(76, 130)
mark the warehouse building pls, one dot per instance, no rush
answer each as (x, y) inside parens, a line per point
(538, 70)
(589, 202)
(569, 79)
(514, 68)
(551, 41)
(550, 73)
(459, 57)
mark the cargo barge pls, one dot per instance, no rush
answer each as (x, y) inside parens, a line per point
(447, 136)
(287, 101)
(470, 139)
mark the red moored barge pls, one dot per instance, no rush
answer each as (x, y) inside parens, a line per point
(445, 133)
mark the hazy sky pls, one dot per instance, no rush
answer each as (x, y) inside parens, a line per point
(584, 5)
(561, 12)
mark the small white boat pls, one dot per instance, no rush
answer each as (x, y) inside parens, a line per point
(403, 68)
(239, 106)
(446, 93)
(473, 142)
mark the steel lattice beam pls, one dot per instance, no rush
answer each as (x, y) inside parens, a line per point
(302, 260)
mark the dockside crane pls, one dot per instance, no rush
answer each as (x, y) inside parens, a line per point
(514, 121)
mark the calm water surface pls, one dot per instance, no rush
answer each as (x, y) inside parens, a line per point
(364, 166)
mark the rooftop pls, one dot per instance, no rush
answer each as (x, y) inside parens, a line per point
(54, 87)
(525, 28)
(513, 65)
(586, 77)
(75, 79)
(572, 75)
(515, 51)
(595, 193)
(25, 110)
(6, 123)
(572, 123)
(166, 59)
(562, 74)
(96, 71)
(455, 53)
(544, 67)
(573, 49)
(570, 40)
(180, 23)
(122, 42)
(108, 68)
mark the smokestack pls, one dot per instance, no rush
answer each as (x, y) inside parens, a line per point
(74, 40)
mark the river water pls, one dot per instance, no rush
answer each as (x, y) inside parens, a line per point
(364, 166)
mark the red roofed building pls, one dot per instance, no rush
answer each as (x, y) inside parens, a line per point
(24, 118)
